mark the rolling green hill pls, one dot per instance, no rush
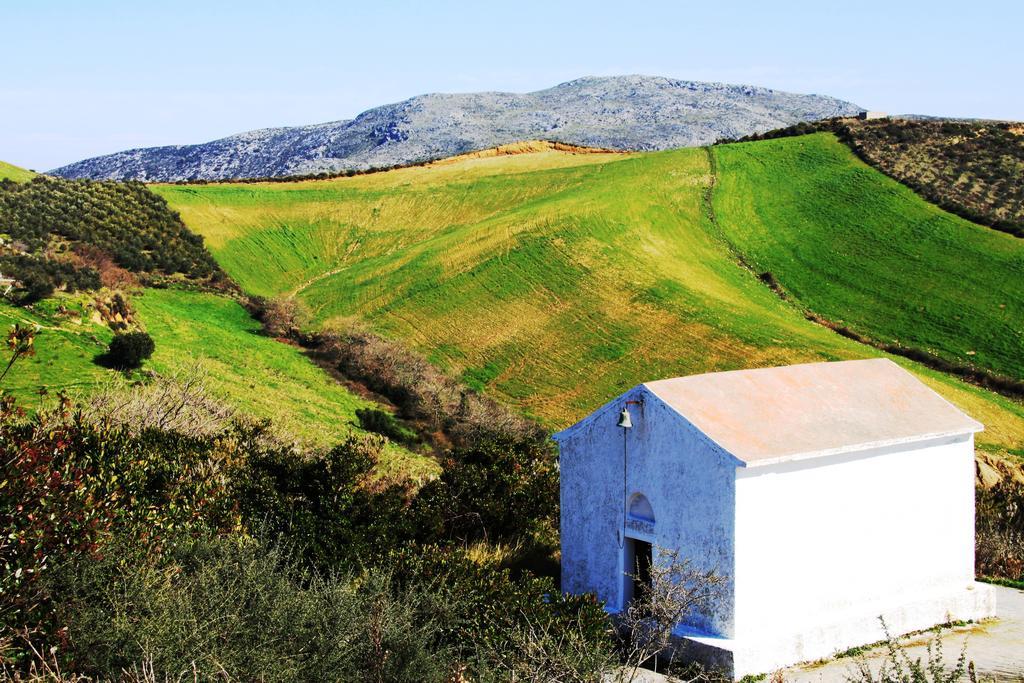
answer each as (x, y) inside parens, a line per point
(64, 354)
(260, 376)
(15, 173)
(104, 229)
(556, 281)
(863, 250)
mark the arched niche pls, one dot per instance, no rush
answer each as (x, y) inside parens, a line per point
(640, 508)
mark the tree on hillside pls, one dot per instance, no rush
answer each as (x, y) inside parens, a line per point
(128, 350)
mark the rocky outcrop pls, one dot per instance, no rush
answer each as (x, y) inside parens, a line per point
(620, 112)
(991, 469)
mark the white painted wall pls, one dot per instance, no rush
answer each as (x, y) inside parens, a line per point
(688, 481)
(836, 539)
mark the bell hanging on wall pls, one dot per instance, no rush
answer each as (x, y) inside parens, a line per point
(624, 420)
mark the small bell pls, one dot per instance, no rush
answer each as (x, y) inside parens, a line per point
(624, 420)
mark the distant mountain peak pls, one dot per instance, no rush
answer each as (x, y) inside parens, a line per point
(632, 112)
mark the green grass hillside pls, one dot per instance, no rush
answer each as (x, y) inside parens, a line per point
(15, 173)
(65, 349)
(215, 336)
(861, 249)
(554, 281)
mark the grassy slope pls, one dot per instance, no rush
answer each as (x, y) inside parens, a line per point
(860, 248)
(555, 281)
(262, 377)
(64, 355)
(15, 173)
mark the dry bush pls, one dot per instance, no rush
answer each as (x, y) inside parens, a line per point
(999, 531)
(678, 591)
(112, 275)
(180, 402)
(282, 317)
(421, 391)
(541, 652)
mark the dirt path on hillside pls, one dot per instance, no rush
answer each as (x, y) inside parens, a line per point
(313, 280)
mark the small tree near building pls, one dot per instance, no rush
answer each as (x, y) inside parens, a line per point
(677, 590)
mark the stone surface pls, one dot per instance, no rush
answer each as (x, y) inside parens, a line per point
(620, 112)
(995, 646)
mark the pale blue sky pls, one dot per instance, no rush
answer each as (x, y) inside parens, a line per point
(88, 78)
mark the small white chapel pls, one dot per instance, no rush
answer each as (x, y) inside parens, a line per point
(828, 494)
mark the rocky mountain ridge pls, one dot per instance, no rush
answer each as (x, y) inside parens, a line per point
(618, 112)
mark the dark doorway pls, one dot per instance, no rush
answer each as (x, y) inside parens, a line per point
(640, 572)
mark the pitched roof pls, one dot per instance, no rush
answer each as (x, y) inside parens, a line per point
(794, 412)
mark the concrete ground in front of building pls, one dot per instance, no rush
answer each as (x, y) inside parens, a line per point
(995, 646)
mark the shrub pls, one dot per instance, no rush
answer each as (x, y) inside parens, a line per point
(422, 392)
(384, 423)
(38, 277)
(898, 667)
(491, 491)
(507, 627)
(243, 609)
(131, 550)
(999, 533)
(178, 402)
(321, 502)
(66, 485)
(128, 350)
(281, 317)
(51, 511)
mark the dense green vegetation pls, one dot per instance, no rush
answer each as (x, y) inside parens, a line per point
(127, 350)
(556, 282)
(71, 234)
(862, 250)
(232, 554)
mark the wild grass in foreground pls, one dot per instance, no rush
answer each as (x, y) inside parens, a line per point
(152, 551)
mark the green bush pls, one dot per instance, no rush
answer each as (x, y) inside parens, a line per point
(134, 547)
(67, 485)
(235, 608)
(319, 502)
(384, 423)
(128, 350)
(508, 627)
(493, 490)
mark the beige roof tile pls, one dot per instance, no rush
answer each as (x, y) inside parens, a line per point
(800, 411)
